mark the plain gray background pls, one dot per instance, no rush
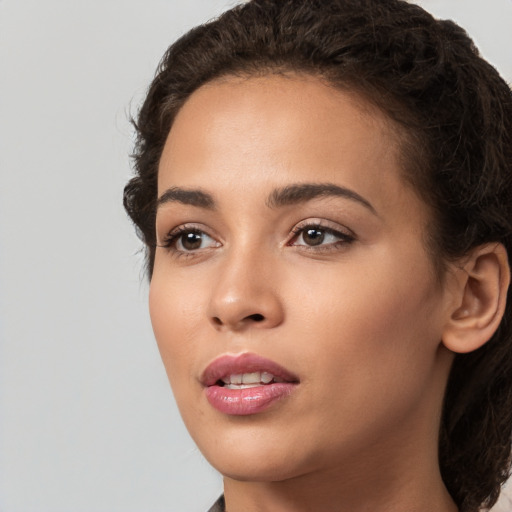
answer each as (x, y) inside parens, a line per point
(87, 420)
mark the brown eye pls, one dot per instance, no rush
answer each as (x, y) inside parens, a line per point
(320, 237)
(190, 241)
(313, 236)
(185, 240)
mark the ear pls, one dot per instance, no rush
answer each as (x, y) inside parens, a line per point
(480, 297)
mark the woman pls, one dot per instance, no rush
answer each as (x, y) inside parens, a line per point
(324, 189)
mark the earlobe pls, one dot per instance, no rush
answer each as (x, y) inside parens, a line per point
(480, 299)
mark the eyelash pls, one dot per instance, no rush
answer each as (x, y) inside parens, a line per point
(173, 237)
(345, 239)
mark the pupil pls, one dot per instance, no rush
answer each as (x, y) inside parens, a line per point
(191, 241)
(314, 236)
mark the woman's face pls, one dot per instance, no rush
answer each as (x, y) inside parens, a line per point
(291, 252)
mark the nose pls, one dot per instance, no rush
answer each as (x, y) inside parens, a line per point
(246, 295)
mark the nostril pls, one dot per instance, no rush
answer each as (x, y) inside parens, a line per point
(256, 317)
(245, 321)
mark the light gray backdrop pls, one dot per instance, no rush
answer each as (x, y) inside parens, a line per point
(87, 421)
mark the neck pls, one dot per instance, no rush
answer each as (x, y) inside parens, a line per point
(379, 487)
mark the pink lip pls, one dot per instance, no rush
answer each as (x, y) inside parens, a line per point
(250, 400)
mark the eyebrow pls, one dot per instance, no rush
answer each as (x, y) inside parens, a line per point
(185, 196)
(303, 192)
(285, 196)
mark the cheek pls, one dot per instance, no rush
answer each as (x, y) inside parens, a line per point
(370, 324)
(174, 311)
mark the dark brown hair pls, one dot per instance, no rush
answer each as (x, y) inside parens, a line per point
(454, 113)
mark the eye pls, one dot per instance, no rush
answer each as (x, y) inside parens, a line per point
(314, 236)
(320, 236)
(185, 240)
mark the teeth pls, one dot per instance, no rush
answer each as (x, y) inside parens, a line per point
(249, 380)
(242, 386)
(266, 377)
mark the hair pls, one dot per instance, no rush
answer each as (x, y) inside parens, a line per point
(454, 117)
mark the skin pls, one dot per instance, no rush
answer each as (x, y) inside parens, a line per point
(359, 322)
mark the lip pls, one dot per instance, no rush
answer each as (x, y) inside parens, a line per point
(249, 400)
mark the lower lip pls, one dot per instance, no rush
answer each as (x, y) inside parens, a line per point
(242, 402)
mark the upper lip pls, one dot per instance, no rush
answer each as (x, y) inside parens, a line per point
(246, 362)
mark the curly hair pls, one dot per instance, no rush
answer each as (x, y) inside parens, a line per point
(454, 115)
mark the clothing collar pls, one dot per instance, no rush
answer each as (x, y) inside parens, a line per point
(219, 505)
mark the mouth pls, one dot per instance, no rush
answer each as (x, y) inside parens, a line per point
(246, 383)
(248, 380)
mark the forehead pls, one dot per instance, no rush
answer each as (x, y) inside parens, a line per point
(238, 131)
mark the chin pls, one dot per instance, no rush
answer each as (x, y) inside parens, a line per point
(247, 471)
(250, 458)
